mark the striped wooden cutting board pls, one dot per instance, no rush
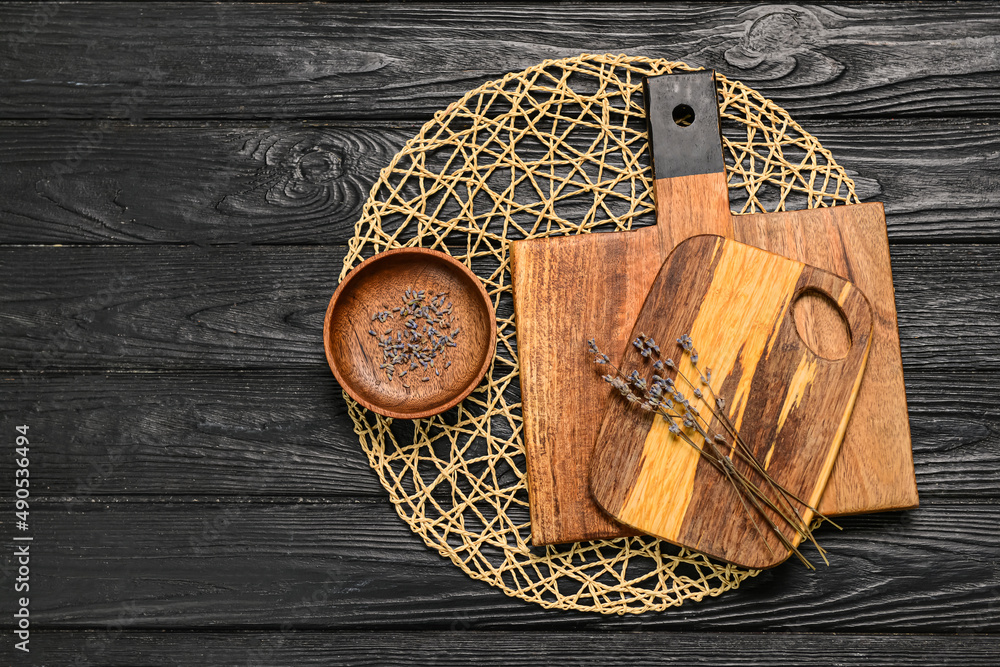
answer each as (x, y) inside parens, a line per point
(791, 406)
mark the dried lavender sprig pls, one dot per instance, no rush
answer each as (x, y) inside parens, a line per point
(740, 447)
(750, 490)
(784, 495)
(733, 474)
(646, 347)
(725, 470)
(746, 454)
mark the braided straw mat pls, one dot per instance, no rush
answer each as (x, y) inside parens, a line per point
(559, 148)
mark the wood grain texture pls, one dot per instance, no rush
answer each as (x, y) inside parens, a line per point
(790, 405)
(902, 94)
(565, 293)
(354, 565)
(454, 647)
(92, 182)
(561, 506)
(181, 434)
(875, 468)
(120, 307)
(848, 241)
(150, 434)
(111, 307)
(211, 61)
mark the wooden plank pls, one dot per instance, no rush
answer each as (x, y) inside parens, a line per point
(897, 162)
(262, 433)
(218, 307)
(286, 433)
(354, 565)
(94, 182)
(506, 649)
(206, 183)
(207, 306)
(174, 60)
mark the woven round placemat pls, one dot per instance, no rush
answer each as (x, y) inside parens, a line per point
(559, 148)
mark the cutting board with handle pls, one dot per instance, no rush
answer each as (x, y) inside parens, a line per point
(741, 306)
(569, 289)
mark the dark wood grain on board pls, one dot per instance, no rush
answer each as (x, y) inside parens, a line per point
(462, 645)
(218, 565)
(199, 433)
(302, 183)
(215, 60)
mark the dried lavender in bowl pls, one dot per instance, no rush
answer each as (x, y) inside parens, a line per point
(420, 346)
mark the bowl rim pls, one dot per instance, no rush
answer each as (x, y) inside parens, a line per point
(461, 395)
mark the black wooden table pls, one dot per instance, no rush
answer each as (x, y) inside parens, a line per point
(177, 183)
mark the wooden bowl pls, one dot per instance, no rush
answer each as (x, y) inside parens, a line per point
(379, 284)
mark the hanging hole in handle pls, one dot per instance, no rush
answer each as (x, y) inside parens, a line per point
(821, 325)
(683, 115)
